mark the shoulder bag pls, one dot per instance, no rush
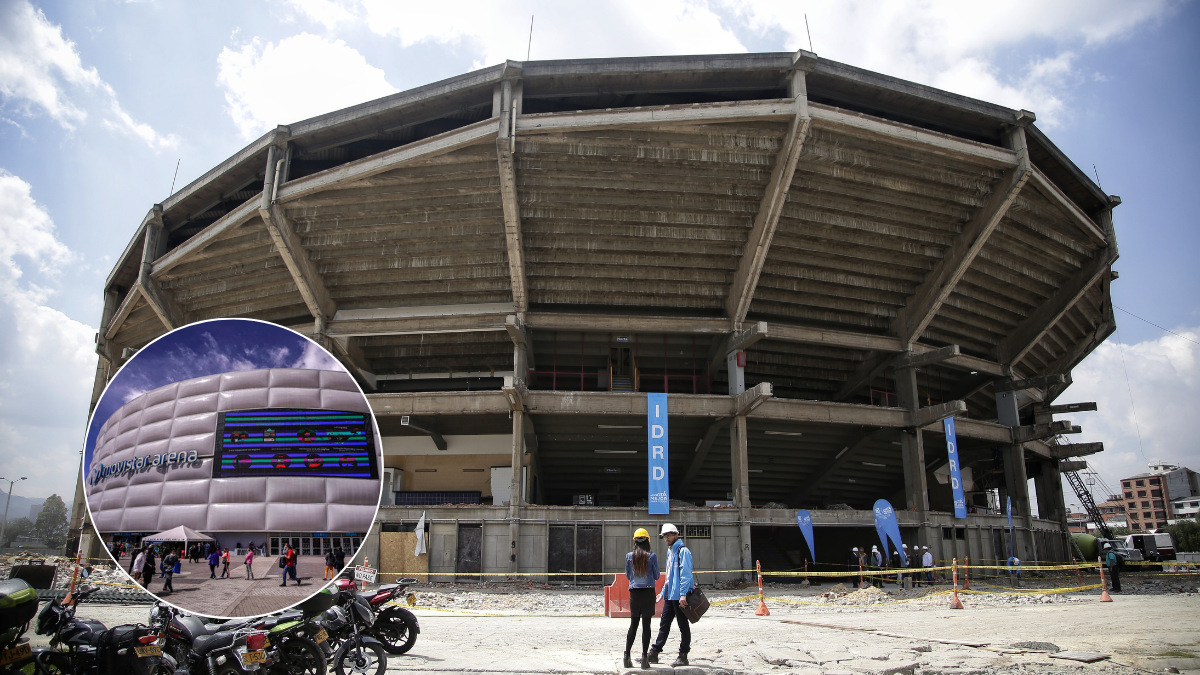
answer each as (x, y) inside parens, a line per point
(697, 602)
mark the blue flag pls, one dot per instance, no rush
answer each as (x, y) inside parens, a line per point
(804, 522)
(888, 527)
(657, 466)
(956, 486)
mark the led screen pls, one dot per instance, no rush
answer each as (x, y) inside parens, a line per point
(292, 442)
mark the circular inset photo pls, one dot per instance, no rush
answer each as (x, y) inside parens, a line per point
(232, 468)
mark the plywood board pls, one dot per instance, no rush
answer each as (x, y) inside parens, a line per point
(396, 556)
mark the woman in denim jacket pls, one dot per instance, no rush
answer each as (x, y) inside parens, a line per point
(641, 568)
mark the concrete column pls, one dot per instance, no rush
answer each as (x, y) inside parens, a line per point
(1016, 482)
(739, 462)
(912, 454)
(515, 497)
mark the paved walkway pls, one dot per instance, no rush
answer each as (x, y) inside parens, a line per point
(236, 595)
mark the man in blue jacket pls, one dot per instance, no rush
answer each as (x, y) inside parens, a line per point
(675, 590)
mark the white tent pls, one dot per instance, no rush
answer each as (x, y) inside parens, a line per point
(182, 533)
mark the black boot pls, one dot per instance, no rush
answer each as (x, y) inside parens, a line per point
(652, 657)
(628, 661)
(681, 660)
(645, 664)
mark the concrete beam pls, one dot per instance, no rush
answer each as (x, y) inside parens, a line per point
(916, 360)
(627, 324)
(1056, 196)
(388, 160)
(665, 116)
(758, 243)
(1030, 331)
(1072, 466)
(747, 401)
(230, 221)
(700, 454)
(1066, 450)
(122, 313)
(1037, 432)
(734, 342)
(505, 147)
(515, 394)
(923, 417)
(521, 337)
(923, 305)
(349, 351)
(428, 429)
(1030, 383)
(912, 137)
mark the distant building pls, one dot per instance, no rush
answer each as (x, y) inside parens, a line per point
(34, 511)
(1183, 508)
(1150, 497)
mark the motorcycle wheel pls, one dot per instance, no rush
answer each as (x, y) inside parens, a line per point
(299, 656)
(364, 659)
(396, 632)
(52, 663)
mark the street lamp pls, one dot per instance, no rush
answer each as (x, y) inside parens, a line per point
(4, 524)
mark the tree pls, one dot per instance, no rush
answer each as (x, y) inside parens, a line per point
(51, 524)
(1186, 534)
(15, 529)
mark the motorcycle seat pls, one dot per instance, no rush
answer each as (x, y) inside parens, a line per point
(206, 643)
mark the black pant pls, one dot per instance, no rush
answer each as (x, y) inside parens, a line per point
(212, 571)
(671, 613)
(167, 587)
(1116, 579)
(641, 610)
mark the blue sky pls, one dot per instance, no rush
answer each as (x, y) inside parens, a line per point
(99, 99)
(206, 348)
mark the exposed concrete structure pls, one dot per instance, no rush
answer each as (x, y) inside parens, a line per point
(507, 258)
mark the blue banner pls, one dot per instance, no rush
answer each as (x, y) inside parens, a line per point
(888, 527)
(804, 522)
(657, 434)
(1011, 542)
(956, 486)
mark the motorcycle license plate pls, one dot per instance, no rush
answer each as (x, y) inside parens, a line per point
(259, 656)
(321, 636)
(151, 650)
(19, 652)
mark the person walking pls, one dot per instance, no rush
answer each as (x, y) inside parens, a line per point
(330, 561)
(927, 563)
(249, 563)
(641, 569)
(897, 565)
(148, 567)
(225, 564)
(679, 582)
(289, 567)
(1113, 561)
(214, 559)
(169, 564)
(138, 562)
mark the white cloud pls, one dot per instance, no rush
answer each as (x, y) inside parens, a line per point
(47, 365)
(955, 45)
(1164, 381)
(302, 76)
(328, 13)
(41, 68)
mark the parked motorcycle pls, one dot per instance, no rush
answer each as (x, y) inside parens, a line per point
(358, 652)
(394, 626)
(18, 606)
(86, 647)
(200, 647)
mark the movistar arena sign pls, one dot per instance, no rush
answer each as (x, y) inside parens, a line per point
(103, 471)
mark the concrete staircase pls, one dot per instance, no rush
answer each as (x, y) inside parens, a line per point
(622, 383)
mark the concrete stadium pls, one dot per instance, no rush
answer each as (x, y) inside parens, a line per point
(817, 263)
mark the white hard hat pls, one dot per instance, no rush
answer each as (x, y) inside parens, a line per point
(1108, 546)
(904, 545)
(924, 548)
(854, 549)
(668, 527)
(874, 548)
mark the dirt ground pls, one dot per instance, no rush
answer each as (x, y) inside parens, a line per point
(525, 629)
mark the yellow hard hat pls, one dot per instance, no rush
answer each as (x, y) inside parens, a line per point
(641, 533)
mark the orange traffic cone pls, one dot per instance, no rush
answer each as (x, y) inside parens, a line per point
(1104, 596)
(967, 574)
(762, 605)
(955, 603)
